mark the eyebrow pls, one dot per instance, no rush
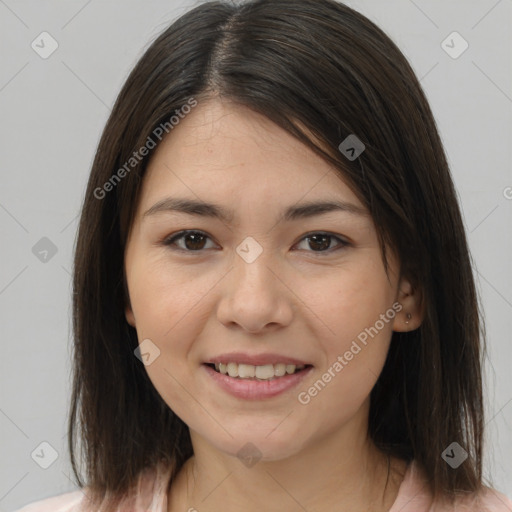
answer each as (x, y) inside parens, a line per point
(294, 212)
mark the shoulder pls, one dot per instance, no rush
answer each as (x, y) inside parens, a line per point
(489, 500)
(67, 502)
(149, 495)
(414, 496)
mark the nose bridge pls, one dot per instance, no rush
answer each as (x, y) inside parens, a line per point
(252, 262)
(254, 296)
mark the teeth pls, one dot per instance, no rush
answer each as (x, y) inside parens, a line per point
(245, 370)
(263, 372)
(232, 369)
(279, 369)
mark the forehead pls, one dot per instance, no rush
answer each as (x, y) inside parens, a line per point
(225, 151)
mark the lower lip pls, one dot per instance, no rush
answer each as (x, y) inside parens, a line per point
(256, 389)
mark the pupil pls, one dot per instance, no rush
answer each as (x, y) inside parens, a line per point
(322, 245)
(194, 237)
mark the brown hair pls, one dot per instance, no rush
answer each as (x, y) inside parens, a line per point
(321, 71)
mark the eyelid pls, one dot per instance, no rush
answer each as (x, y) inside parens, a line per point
(169, 240)
(342, 241)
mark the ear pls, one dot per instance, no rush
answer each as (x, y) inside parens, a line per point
(412, 313)
(128, 313)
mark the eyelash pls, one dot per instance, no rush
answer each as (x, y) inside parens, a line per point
(169, 241)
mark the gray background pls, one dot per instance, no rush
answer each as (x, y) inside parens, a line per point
(52, 114)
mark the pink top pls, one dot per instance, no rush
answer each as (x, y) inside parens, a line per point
(151, 496)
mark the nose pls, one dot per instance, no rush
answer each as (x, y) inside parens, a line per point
(255, 296)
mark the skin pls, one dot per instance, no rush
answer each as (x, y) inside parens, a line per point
(295, 299)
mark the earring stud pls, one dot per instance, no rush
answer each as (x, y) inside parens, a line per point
(409, 316)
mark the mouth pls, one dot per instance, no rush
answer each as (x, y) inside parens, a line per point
(266, 372)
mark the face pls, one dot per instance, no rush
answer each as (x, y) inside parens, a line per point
(258, 284)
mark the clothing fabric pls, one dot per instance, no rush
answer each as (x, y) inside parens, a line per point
(151, 496)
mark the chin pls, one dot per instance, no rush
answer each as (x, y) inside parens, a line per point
(259, 445)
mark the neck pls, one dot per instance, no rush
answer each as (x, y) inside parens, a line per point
(342, 471)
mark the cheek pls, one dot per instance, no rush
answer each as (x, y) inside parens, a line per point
(167, 308)
(358, 311)
(165, 298)
(353, 302)
(353, 364)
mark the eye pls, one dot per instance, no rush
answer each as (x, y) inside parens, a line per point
(321, 242)
(195, 241)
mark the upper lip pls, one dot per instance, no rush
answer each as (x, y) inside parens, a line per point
(255, 359)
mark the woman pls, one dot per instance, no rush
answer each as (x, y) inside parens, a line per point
(274, 304)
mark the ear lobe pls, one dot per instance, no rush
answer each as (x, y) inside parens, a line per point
(128, 312)
(130, 317)
(412, 313)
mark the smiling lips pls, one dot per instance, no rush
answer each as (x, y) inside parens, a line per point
(254, 387)
(256, 376)
(263, 372)
(257, 367)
